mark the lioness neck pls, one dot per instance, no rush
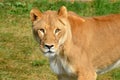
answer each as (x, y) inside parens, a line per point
(61, 63)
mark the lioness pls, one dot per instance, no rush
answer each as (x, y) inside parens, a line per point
(78, 48)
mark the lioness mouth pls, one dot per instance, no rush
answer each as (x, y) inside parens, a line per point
(49, 51)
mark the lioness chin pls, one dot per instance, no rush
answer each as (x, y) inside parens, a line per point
(78, 48)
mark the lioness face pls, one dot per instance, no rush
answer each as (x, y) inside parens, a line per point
(50, 30)
(49, 36)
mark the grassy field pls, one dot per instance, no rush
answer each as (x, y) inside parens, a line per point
(20, 58)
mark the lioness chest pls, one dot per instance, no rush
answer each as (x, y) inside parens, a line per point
(61, 67)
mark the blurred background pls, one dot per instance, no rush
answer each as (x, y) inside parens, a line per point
(20, 57)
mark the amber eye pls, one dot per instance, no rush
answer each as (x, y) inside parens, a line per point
(57, 30)
(42, 30)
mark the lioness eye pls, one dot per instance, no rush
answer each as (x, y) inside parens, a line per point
(42, 30)
(57, 30)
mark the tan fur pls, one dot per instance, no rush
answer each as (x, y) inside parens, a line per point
(82, 47)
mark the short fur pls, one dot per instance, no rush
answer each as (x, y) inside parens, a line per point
(80, 47)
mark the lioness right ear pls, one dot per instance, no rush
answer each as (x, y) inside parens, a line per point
(35, 14)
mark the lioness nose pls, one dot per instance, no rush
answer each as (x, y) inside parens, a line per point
(48, 46)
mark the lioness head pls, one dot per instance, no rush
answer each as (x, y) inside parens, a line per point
(51, 29)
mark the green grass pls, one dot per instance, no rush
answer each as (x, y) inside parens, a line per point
(20, 57)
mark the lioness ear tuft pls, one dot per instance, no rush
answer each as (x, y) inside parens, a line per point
(35, 14)
(62, 12)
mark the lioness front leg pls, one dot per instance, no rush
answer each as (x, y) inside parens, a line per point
(87, 76)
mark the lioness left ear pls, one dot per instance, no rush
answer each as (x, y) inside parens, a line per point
(35, 14)
(62, 12)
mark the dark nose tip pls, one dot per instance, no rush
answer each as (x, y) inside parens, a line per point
(49, 46)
